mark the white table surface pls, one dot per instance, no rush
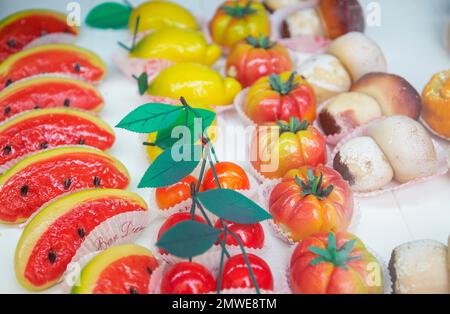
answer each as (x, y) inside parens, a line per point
(410, 36)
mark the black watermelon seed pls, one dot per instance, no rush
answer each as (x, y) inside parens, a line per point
(81, 141)
(37, 107)
(81, 232)
(67, 183)
(52, 256)
(8, 82)
(77, 67)
(66, 102)
(11, 43)
(149, 271)
(96, 182)
(7, 150)
(24, 190)
(43, 145)
(7, 110)
(133, 291)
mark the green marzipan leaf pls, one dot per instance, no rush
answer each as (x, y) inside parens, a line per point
(109, 15)
(231, 205)
(150, 118)
(142, 83)
(165, 170)
(164, 137)
(188, 238)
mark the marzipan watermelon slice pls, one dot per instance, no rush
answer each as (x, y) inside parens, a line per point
(47, 128)
(40, 177)
(52, 237)
(48, 92)
(124, 269)
(21, 28)
(52, 58)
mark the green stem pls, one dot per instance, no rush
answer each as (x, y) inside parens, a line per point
(133, 43)
(283, 88)
(127, 3)
(222, 258)
(200, 177)
(247, 261)
(213, 169)
(202, 210)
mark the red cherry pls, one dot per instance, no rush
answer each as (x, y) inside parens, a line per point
(236, 275)
(169, 196)
(173, 220)
(230, 175)
(251, 236)
(187, 278)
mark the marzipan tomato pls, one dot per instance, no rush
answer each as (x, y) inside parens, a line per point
(280, 97)
(310, 200)
(255, 58)
(174, 194)
(236, 275)
(235, 20)
(230, 175)
(329, 263)
(276, 149)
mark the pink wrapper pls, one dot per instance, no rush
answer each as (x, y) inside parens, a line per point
(264, 192)
(135, 66)
(425, 124)
(211, 260)
(387, 282)
(441, 169)
(53, 38)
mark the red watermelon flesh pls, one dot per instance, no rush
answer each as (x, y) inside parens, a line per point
(48, 128)
(48, 92)
(66, 234)
(31, 187)
(22, 28)
(127, 275)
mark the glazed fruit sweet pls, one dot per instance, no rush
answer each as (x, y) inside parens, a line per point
(394, 94)
(230, 175)
(177, 45)
(237, 19)
(236, 274)
(257, 57)
(347, 111)
(436, 103)
(47, 128)
(280, 97)
(172, 220)
(363, 164)
(196, 82)
(359, 54)
(334, 263)
(123, 269)
(50, 240)
(326, 75)
(251, 235)
(156, 14)
(43, 176)
(407, 146)
(431, 277)
(276, 149)
(41, 92)
(20, 29)
(188, 278)
(310, 200)
(174, 194)
(51, 59)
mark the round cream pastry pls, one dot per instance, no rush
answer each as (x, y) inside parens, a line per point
(394, 94)
(273, 5)
(347, 111)
(362, 163)
(407, 146)
(326, 74)
(303, 22)
(359, 54)
(420, 267)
